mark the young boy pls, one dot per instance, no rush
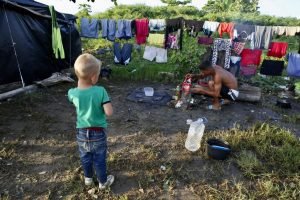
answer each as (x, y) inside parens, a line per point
(92, 106)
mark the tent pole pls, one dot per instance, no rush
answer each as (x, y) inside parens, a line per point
(14, 44)
(70, 47)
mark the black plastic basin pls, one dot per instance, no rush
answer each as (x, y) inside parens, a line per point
(218, 149)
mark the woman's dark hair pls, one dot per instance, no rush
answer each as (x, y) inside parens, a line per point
(205, 65)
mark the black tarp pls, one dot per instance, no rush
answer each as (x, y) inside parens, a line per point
(28, 23)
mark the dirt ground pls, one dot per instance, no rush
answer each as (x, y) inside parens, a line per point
(39, 158)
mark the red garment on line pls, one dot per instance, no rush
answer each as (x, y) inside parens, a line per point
(251, 57)
(226, 28)
(277, 49)
(142, 30)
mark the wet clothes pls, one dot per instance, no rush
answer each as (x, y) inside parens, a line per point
(262, 37)
(193, 27)
(244, 32)
(157, 25)
(108, 27)
(226, 28)
(142, 30)
(272, 67)
(293, 68)
(220, 45)
(89, 29)
(251, 57)
(124, 29)
(277, 49)
(174, 25)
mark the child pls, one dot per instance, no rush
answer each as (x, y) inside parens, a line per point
(92, 106)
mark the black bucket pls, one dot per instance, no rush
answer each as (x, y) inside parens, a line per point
(218, 149)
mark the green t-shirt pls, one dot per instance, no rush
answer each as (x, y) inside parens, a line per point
(89, 106)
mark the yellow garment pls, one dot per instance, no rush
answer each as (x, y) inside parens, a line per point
(156, 39)
(279, 30)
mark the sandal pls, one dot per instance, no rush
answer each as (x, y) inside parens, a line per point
(211, 107)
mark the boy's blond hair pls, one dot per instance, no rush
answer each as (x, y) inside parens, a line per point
(87, 65)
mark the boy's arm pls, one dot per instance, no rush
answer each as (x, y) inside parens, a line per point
(108, 110)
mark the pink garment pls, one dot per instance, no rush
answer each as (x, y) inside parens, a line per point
(277, 49)
(142, 30)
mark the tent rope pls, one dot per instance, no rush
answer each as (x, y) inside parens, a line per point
(14, 44)
(70, 47)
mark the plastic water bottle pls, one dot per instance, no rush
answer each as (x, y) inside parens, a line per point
(195, 133)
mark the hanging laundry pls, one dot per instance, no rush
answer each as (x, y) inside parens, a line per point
(173, 40)
(219, 45)
(292, 30)
(108, 27)
(272, 67)
(152, 53)
(226, 28)
(210, 26)
(193, 27)
(248, 70)
(57, 45)
(157, 39)
(251, 57)
(173, 33)
(237, 47)
(124, 29)
(89, 29)
(122, 56)
(279, 30)
(293, 68)
(262, 37)
(235, 65)
(244, 32)
(205, 40)
(157, 25)
(277, 49)
(142, 30)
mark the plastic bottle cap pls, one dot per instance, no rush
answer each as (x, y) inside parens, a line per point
(189, 121)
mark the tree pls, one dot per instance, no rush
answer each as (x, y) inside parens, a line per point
(244, 6)
(176, 2)
(114, 1)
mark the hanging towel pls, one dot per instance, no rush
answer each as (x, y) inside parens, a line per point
(219, 45)
(157, 24)
(272, 67)
(251, 57)
(142, 30)
(89, 29)
(57, 45)
(277, 49)
(226, 28)
(262, 37)
(293, 68)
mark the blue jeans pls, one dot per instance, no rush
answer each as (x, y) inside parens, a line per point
(92, 149)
